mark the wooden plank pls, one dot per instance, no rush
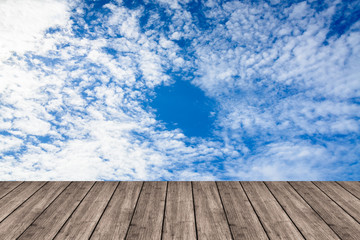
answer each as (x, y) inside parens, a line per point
(6, 187)
(275, 221)
(18, 196)
(353, 187)
(52, 219)
(83, 220)
(148, 216)
(22, 217)
(342, 197)
(117, 216)
(210, 216)
(179, 222)
(304, 217)
(40, 210)
(343, 224)
(242, 219)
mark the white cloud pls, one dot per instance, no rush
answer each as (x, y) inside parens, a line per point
(23, 24)
(269, 80)
(8, 143)
(33, 126)
(88, 110)
(283, 161)
(298, 11)
(282, 93)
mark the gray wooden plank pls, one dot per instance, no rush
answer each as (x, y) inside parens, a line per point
(52, 219)
(22, 217)
(18, 196)
(6, 187)
(343, 224)
(148, 216)
(117, 216)
(210, 216)
(179, 222)
(304, 217)
(275, 221)
(342, 197)
(353, 187)
(82, 222)
(242, 219)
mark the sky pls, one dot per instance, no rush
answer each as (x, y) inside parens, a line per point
(179, 90)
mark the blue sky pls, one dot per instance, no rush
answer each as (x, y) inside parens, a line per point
(179, 90)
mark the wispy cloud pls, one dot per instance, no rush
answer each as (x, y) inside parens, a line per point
(74, 78)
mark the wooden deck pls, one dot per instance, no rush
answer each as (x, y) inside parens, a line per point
(179, 210)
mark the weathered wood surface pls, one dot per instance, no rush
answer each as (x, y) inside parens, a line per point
(179, 210)
(276, 222)
(243, 221)
(6, 187)
(300, 212)
(179, 221)
(211, 219)
(117, 216)
(16, 197)
(340, 221)
(352, 187)
(147, 220)
(47, 225)
(83, 220)
(343, 198)
(14, 225)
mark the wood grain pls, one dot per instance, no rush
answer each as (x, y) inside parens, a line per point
(353, 187)
(148, 217)
(343, 224)
(343, 198)
(210, 216)
(6, 187)
(18, 196)
(179, 222)
(83, 220)
(304, 217)
(275, 221)
(52, 219)
(179, 210)
(116, 219)
(242, 219)
(14, 225)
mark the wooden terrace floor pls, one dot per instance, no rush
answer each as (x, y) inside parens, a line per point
(179, 210)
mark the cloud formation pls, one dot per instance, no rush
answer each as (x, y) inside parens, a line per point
(74, 77)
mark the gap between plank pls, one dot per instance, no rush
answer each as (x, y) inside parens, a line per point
(335, 202)
(127, 231)
(346, 189)
(192, 191)
(73, 211)
(254, 210)
(162, 227)
(11, 190)
(284, 210)
(222, 204)
(315, 211)
(23, 201)
(107, 204)
(44, 210)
